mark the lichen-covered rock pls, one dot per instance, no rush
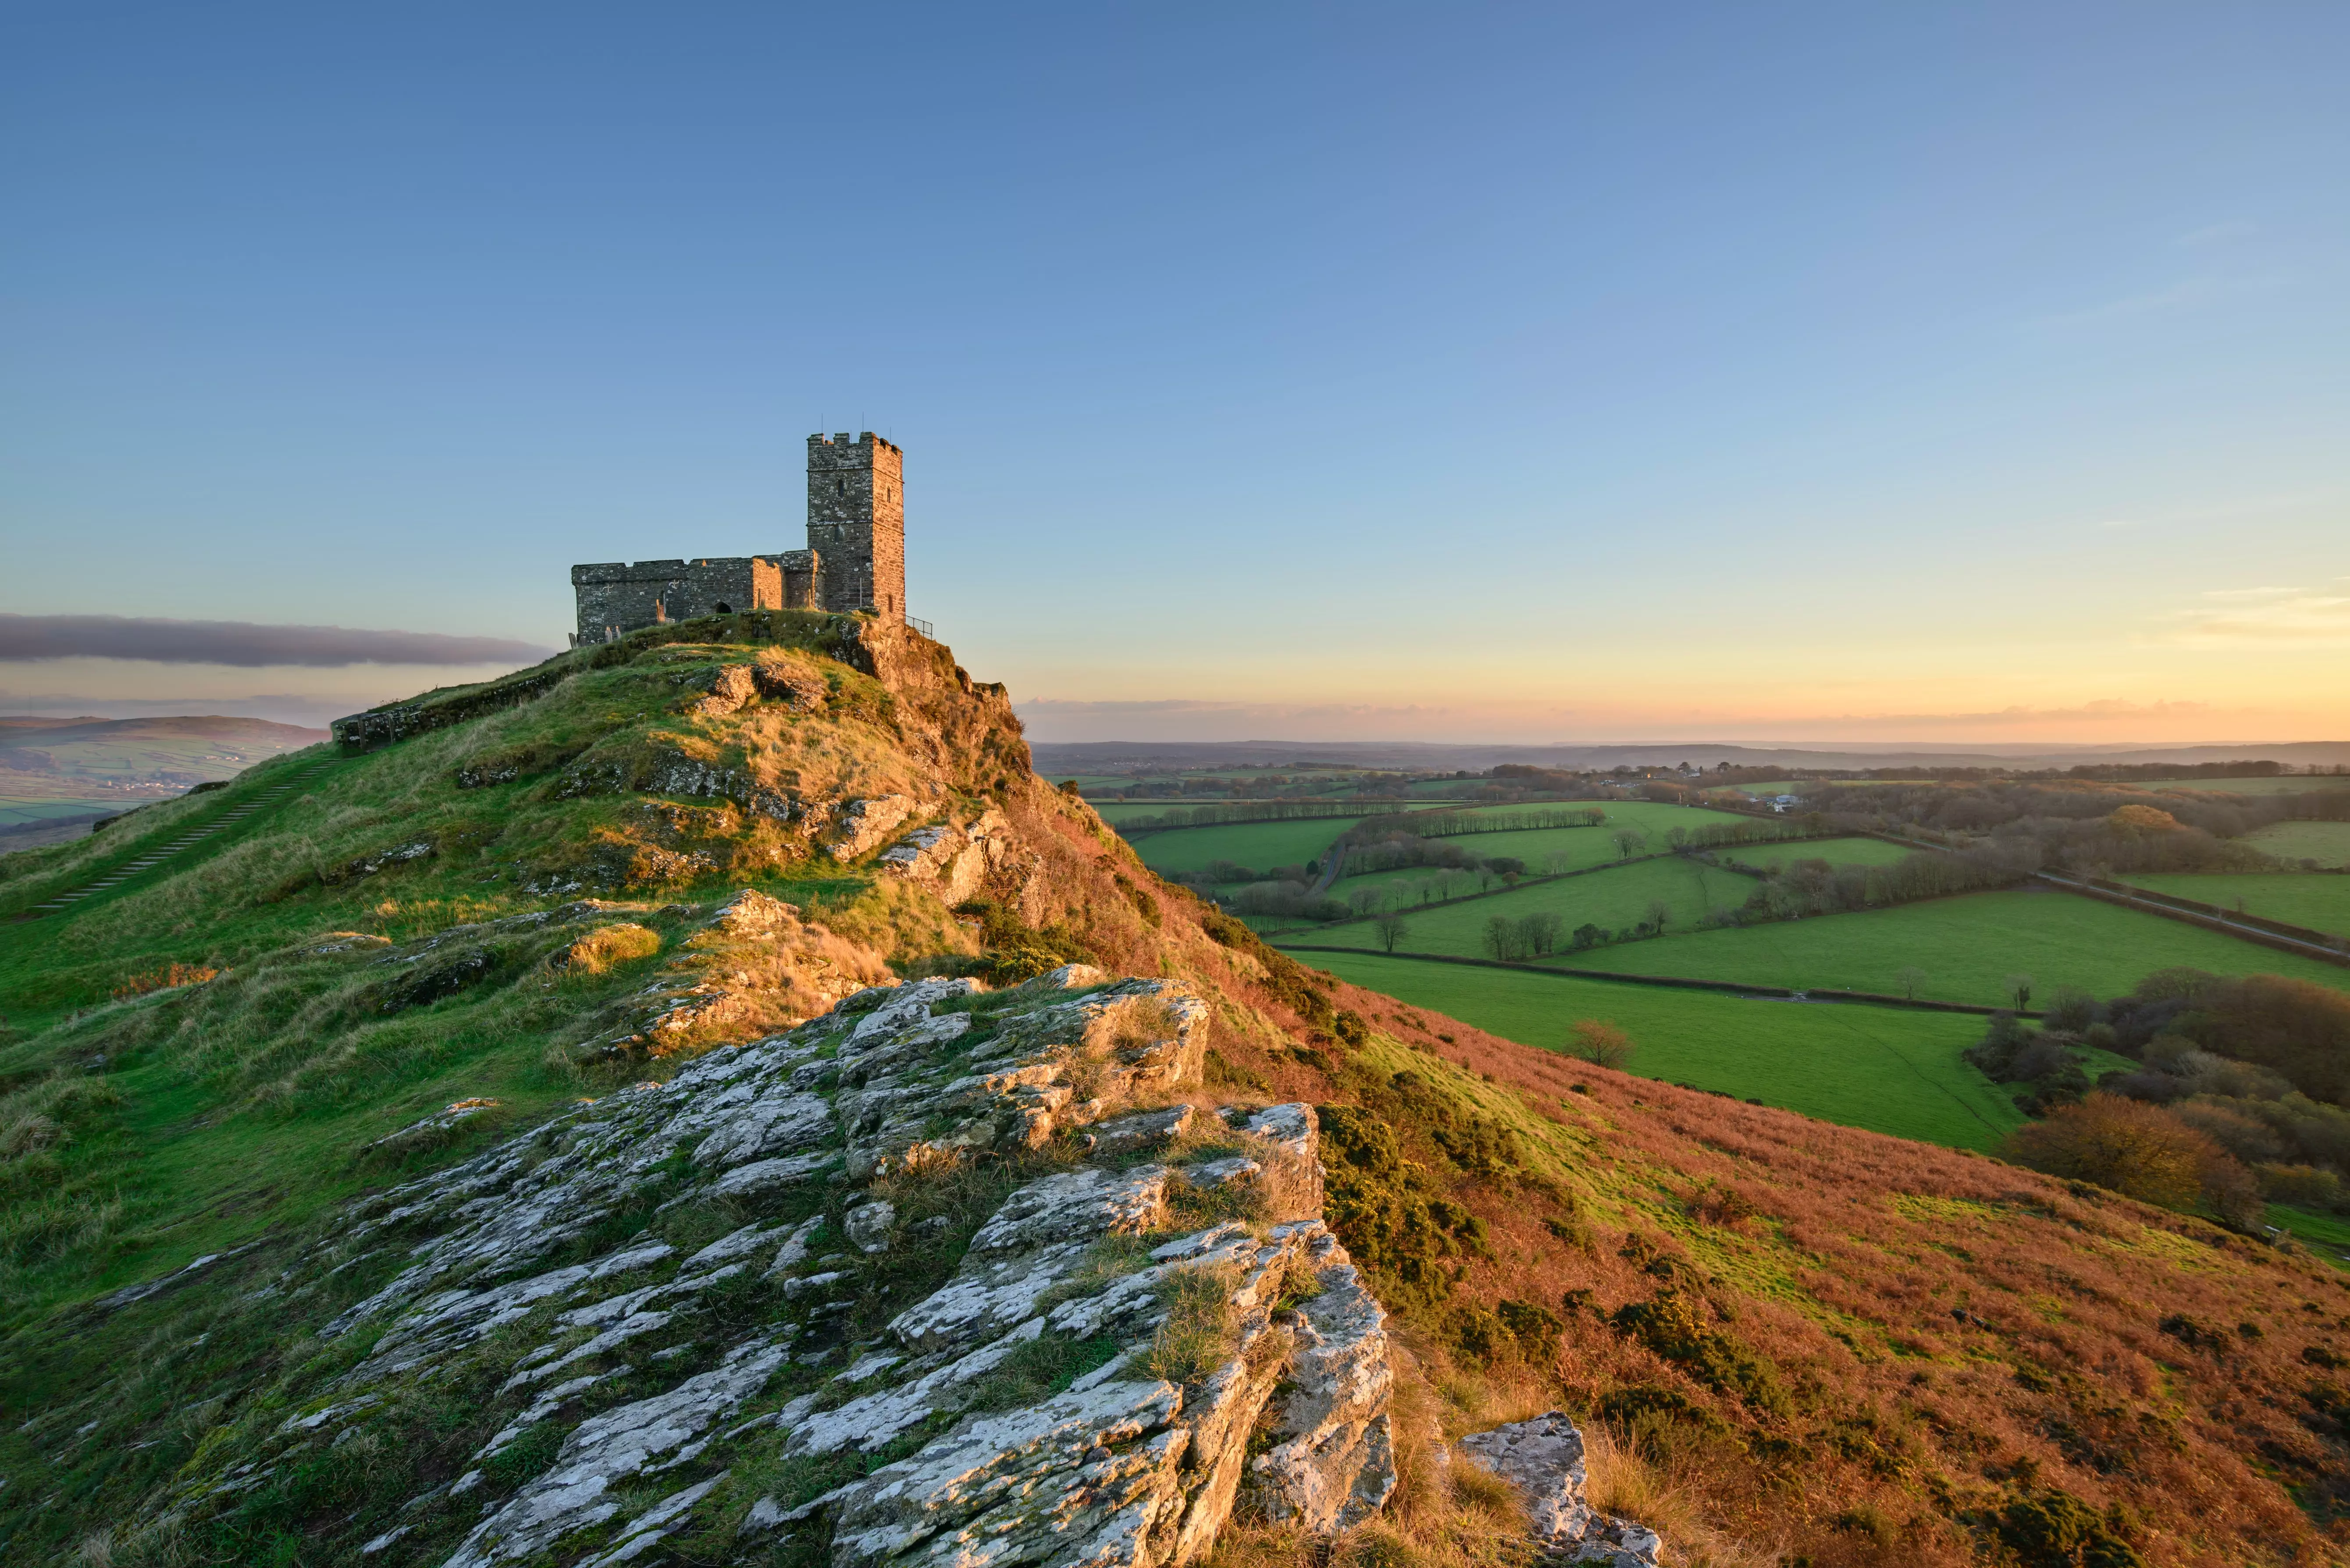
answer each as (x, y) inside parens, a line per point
(953, 862)
(1335, 1465)
(1543, 1460)
(862, 824)
(730, 686)
(694, 1319)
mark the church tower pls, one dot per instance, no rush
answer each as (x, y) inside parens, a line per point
(857, 522)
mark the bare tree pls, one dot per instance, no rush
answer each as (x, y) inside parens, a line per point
(1911, 979)
(1502, 938)
(1391, 928)
(1599, 1041)
(2019, 987)
(1658, 913)
(1627, 840)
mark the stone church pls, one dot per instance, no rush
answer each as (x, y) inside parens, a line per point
(855, 560)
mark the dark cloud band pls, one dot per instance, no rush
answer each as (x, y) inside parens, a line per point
(243, 643)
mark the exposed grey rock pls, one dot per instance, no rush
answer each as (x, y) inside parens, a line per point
(611, 1447)
(862, 824)
(868, 1226)
(1120, 1470)
(1125, 1135)
(952, 862)
(1335, 1464)
(1542, 1459)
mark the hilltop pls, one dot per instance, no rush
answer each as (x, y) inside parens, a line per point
(615, 978)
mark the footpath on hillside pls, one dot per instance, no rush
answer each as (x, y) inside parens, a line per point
(187, 840)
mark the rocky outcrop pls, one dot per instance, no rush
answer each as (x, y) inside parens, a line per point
(945, 1276)
(955, 863)
(1543, 1460)
(862, 824)
(785, 964)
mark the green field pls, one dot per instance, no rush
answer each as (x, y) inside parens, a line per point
(2327, 843)
(1835, 851)
(1116, 811)
(1551, 851)
(1263, 845)
(2318, 900)
(2290, 785)
(1885, 1068)
(1545, 851)
(1260, 846)
(2327, 1235)
(1964, 946)
(1615, 897)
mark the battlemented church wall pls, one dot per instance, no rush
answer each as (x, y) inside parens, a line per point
(620, 596)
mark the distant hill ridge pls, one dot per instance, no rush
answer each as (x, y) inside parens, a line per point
(26, 729)
(1058, 757)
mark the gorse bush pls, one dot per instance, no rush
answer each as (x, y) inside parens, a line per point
(1396, 1219)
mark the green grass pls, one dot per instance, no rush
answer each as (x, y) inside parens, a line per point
(2327, 843)
(2319, 899)
(1965, 946)
(1835, 851)
(135, 1135)
(1613, 897)
(1887, 1069)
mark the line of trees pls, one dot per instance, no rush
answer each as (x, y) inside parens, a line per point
(1537, 935)
(1815, 887)
(1217, 814)
(1445, 823)
(2080, 823)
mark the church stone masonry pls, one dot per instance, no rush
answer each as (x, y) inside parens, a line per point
(856, 558)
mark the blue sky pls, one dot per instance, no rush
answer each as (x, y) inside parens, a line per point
(1565, 372)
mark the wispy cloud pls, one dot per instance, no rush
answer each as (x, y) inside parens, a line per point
(2184, 295)
(2267, 618)
(2211, 235)
(2251, 506)
(243, 644)
(2105, 711)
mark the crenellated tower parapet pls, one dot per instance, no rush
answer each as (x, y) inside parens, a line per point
(857, 521)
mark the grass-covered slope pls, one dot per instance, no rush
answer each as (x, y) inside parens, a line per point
(145, 1124)
(1797, 1342)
